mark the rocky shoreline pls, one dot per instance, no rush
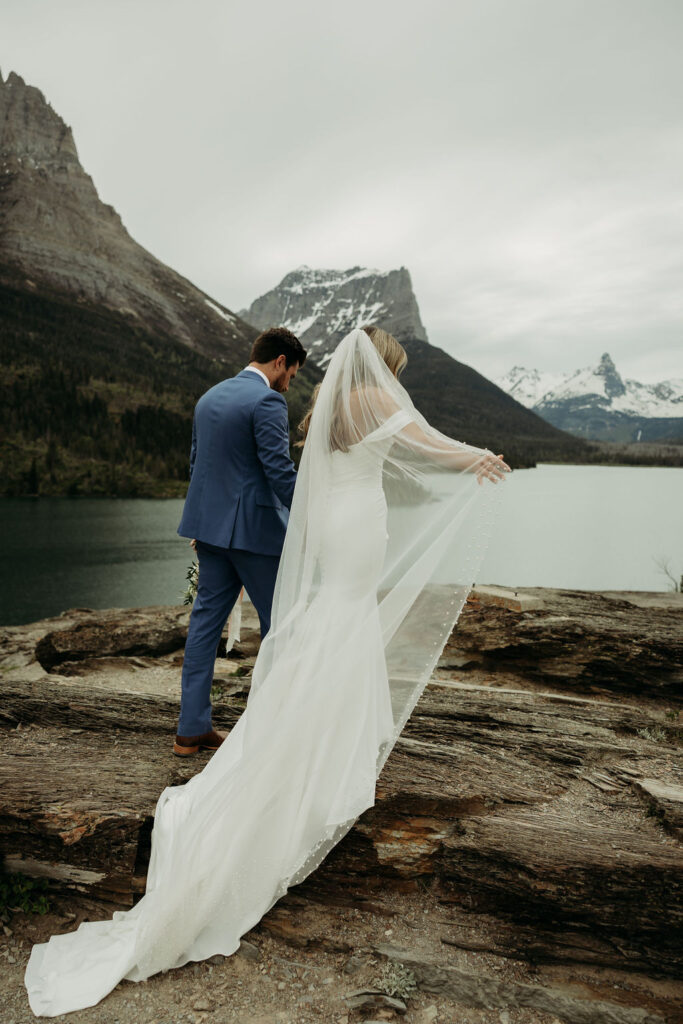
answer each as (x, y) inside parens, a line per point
(531, 814)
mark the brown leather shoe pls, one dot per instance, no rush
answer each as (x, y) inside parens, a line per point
(184, 746)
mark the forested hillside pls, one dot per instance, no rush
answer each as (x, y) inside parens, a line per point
(92, 404)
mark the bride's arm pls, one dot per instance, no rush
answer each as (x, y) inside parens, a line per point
(441, 450)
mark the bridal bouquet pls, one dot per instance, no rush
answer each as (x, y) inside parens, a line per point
(192, 577)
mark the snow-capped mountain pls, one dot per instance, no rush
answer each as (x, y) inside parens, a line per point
(321, 306)
(597, 403)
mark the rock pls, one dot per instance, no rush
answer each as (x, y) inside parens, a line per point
(352, 965)
(482, 992)
(573, 640)
(249, 951)
(364, 999)
(337, 297)
(428, 1015)
(218, 958)
(553, 815)
(201, 1005)
(58, 233)
(665, 802)
(121, 632)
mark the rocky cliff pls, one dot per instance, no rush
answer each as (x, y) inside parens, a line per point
(103, 349)
(321, 306)
(56, 232)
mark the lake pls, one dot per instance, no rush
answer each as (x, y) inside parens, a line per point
(578, 527)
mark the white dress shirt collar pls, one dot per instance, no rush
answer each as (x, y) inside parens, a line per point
(254, 369)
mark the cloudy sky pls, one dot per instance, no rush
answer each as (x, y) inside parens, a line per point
(523, 158)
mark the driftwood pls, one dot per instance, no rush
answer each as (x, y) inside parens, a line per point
(555, 818)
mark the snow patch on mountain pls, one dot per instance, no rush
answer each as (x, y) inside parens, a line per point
(593, 386)
(321, 306)
(221, 312)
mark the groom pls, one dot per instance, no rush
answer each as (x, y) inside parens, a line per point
(241, 485)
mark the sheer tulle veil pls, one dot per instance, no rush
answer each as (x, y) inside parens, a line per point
(439, 519)
(387, 529)
(440, 512)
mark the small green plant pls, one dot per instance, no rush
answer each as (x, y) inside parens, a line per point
(192, 577)
(672, 714)
(654, 733)
(396, 980)
(19, 892)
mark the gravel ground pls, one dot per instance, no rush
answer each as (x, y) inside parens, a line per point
(298, 966)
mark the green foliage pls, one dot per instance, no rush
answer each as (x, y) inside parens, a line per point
(396, 980)
(19, 892)
(90, 404)
(192, 577)
(661, 734)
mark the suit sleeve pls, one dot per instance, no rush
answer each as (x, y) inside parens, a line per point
(271, 432)
(193, 448)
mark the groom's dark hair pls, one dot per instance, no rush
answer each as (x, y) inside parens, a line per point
(278, 341)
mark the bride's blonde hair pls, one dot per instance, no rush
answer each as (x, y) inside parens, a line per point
(393, 354)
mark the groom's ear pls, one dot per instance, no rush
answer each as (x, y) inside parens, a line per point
(281, 362)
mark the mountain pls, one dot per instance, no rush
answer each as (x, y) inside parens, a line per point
(597, 403)
(57, 233)
(103, 349)
(321, 306)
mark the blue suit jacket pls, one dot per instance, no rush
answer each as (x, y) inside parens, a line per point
(241, 476)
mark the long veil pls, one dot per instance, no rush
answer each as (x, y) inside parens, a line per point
(387, 528)
(441, 508)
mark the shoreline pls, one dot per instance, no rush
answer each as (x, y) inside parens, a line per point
(671, 457)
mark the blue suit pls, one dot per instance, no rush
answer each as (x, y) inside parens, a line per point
(237, 506)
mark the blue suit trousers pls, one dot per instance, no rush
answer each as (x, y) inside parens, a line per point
(222, 574)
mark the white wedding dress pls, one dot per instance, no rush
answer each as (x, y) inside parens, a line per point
(367, 593)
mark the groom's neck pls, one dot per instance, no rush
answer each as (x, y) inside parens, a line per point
(266, 369)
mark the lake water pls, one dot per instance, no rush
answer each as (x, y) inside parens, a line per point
(579, 527)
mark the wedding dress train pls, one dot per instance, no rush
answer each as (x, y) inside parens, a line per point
(367, 593)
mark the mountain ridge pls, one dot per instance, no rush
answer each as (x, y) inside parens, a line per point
(321, 306)
(325, 304)
(104, 350)
(57, 231)
(597, 403)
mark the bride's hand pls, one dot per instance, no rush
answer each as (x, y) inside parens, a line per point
(492, 467)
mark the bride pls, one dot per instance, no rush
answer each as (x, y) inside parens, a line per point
(387, 529)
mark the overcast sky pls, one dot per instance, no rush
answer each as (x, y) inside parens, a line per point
(523, 158)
